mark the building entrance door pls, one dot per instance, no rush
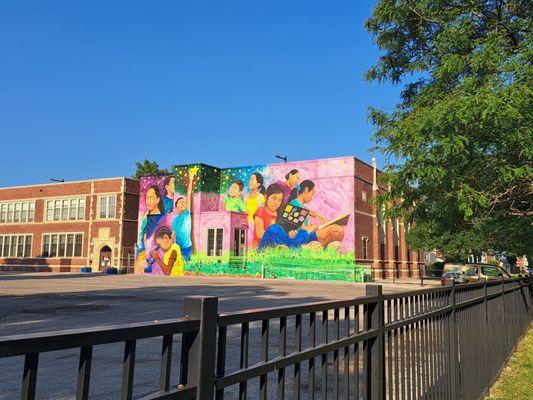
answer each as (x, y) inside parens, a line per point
(105, 258)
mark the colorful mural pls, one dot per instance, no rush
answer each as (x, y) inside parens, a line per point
(286, 220)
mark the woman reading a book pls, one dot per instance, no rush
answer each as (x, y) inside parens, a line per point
(268, 233)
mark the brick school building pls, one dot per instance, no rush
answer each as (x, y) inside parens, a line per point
(65, 226)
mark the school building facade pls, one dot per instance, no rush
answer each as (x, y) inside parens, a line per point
(66, 226)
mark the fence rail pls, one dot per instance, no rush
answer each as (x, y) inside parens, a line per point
(439, 343)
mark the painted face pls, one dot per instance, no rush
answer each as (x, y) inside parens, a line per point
(293, 180)
(274, 201)
(180, 205)
(170, 187)
(307, 195)
(152, 201)
(252, 183)
(164, 242)
(234, 190)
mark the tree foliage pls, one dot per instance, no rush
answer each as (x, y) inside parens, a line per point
(148, 167)
(459, 145)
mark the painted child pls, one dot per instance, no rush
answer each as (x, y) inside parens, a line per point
(233, 201)
(255, 198)
(171, 263)
(182, 225)
(267, 233)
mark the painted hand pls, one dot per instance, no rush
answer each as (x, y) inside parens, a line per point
(292, 234)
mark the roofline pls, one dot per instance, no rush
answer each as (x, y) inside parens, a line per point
(273, 163)
(67, 182)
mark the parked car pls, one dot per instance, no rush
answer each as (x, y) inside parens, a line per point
(467, 272)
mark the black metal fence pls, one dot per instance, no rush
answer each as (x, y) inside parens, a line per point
(441, 343)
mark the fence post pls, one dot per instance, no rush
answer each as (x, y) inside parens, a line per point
(485, 325)
(453, 349)
(374, 374)
(199, 348)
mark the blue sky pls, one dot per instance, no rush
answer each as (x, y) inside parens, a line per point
(88, 88)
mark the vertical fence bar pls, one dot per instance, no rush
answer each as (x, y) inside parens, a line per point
(298, 348)
(245, 340)
(128, 369)
(282, 352)
(221, 358)
(376, 350)
(166, 362)
(29, 378)
(453, 350)
(84, 373)
(324, 369)
(356, 353)
(265, 329)
(312, 342)
(346, 354)
(336, 333)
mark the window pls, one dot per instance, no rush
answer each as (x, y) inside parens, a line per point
(16, 217)
(70, 246)
(15, 246)
(31, 211)
(107, 206)
(81, 209)
(10, 212)
(24, 212)
(73, 209)
(62, 245)
(3, 213)
(214, 242)
(64, 210)
(365, 248)
(239, 242)
(78, 243)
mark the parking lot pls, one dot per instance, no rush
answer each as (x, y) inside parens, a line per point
(41, 302)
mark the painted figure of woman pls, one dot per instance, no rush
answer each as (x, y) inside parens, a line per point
(290, 186)
(256, 197)
(267, 233)
(155, 210)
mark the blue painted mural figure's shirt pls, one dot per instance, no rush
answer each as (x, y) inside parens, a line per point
(296, 203)
(181, 226)
(148, 224)
(168, 203)
(275, 235)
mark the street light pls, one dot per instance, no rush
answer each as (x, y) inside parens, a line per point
(57, 180)
(284, 158)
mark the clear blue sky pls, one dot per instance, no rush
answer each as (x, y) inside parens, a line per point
(88, 88)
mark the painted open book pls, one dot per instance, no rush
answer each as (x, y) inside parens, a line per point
(341, 220)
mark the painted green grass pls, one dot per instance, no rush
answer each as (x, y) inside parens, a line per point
(515, 381)
(273, 263)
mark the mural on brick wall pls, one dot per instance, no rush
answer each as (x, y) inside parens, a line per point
(293, 220)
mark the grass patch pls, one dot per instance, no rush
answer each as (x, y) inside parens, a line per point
(515, 381)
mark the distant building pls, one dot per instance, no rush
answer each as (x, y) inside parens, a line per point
(213, 216)
(65, 226)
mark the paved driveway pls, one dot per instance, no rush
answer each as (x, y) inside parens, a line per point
(44, 302)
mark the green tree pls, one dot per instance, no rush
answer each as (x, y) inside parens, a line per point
(459, 145)
(148, 167)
